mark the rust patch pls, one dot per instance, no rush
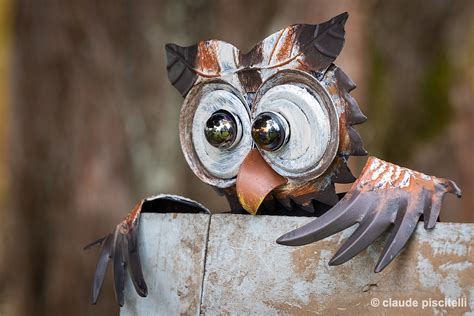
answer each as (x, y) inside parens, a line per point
(305, 261)
(288, 309)
(344, 140)
(275, 46)
(333, 90)
(285, 49)
(131, 219)
(208, 59)
(302, 66)
(381, 175)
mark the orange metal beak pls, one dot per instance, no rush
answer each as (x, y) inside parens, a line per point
(255, 180)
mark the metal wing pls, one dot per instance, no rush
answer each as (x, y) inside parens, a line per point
(384, 195)
(122, 246)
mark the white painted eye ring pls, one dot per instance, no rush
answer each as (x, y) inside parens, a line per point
(213, 165)
(313, 122)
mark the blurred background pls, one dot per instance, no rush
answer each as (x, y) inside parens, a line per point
(89, 122)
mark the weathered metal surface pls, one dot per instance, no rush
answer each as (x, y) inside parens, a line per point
(248, 273)
(172, 248)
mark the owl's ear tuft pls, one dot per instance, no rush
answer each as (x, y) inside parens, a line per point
(341, 18)
(320, 44)
(180, 66)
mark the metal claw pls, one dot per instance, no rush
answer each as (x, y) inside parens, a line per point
(384, 195)
(101, 267)
(122, 245)
(94, 243)
(119, 267)
(449, 186)
(405, 224)
(339, 218)
(374, 224)
(430, 215)
(133, 260)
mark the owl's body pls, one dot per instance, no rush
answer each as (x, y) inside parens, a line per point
(272, 130)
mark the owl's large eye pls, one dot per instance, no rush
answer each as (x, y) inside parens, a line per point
(221, 129)
(270, 131)
(295, 125)
(215, 132)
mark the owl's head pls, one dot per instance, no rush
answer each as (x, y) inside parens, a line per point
(273, 125)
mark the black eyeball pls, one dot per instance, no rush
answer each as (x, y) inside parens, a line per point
(221, 130)
(270, 131)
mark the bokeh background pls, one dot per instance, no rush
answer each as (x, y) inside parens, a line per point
(89, 122)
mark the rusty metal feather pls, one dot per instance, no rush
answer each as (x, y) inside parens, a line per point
(342, 173)
(320, 44)
(353, 113)
(356, 143)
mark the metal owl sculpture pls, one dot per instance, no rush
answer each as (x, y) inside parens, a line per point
(272, 130)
